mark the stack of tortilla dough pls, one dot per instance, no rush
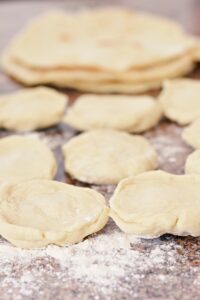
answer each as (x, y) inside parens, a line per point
(104, 50)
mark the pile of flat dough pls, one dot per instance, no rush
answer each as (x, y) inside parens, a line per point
(106, 156)
(40, 212)
(128, 113)
(180, 100)
(104, 50)
(155, 203)
(31, 109)
(25, 157)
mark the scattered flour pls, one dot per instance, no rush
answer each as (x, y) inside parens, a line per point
(104, 262)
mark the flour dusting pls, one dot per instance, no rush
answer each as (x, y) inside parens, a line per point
(103, 262)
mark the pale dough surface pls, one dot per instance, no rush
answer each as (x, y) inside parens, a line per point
(81, 80)
(118, 87)
(31, 109)
(192, 165)
(87, 51)
(154, 203)
(106, 156)
(25, 157)
(191, 134)
(107, 39)
(29, 76)
(180, 99)
(36, 213)
(128, 113)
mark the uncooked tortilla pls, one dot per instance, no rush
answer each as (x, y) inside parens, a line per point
(180, 99)
(132, 114)
(106, 39)
(155, 203)
(36, 213)
(31, 76)
(79, 80)
(25, 157)
(106, 156)
(31, 109)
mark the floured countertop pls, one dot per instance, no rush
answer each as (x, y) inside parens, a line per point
(109, 264)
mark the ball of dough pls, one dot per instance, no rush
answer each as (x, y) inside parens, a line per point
(25, 157)
(180, 99)
(191, 134)
(31, 108)
(40, 212)
(106, 156)
(192, 165)
(155, 203)
(132, 114)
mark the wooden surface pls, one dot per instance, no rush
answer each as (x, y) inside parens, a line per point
(177, 276)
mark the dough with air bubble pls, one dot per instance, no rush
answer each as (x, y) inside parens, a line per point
(36, 213)
(105, 156)
(180, 100)
(25, 157)
(32, 108)
(128, 113)
(154, 203)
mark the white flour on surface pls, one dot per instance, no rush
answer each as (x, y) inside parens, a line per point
(102, 261)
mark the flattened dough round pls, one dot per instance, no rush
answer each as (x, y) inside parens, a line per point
(155, 203)
(25, 157)
(132, 114)
(106, 156)
(32, 108)
(92, 40)
(192, 165)
(191, 134)
(29, 76)
(135, 81)
(181, 100)
(36, 213)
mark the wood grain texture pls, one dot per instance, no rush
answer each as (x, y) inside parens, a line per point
(181, 278)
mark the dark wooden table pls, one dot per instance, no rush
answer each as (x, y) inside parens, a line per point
(109, 265)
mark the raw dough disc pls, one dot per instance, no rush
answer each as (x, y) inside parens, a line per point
(191, 134)
(180, 99)
(192, 165)
(106, 156)
(32, 108)
(155, 203)
(29, 76)
(40, 212)
(91, 40)
(134, 53)
(118, 87)
(25, 157)
(81, 79)
(132, 114)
